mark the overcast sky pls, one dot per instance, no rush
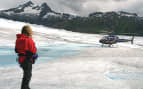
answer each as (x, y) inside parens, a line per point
(83, 7)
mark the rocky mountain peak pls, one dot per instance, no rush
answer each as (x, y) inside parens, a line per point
(45, 7)
(123, 13)
(20, 8)
(27, 4)
(112, 13)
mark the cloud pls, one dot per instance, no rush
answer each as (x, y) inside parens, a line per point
(4, 4)
(83, 7)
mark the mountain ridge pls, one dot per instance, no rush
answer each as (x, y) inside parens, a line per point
(97, 22)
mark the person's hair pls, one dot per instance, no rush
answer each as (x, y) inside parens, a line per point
(26, 30)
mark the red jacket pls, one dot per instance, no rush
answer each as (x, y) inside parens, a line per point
(24, 44)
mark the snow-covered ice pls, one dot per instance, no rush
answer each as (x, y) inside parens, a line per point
(78, 60)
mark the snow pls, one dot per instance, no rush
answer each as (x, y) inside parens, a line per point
(32, 11)
(27, 10)
(43, 34)
(51, 14)
(126, 14)
(98, 15)
(94, 67)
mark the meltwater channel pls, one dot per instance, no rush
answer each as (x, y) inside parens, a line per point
(46, 52)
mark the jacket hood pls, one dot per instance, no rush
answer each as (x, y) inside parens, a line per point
(21, 36)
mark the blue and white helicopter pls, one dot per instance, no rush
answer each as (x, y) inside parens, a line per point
(113, 39)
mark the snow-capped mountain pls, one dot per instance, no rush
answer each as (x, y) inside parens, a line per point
(110, 14)
(30, 8)
(26, 7)
(97, 22)
(122, 13)
(36, 14)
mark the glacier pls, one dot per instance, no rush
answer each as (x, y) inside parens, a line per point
(71, 60)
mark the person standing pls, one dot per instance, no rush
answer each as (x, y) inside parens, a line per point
(27, 54)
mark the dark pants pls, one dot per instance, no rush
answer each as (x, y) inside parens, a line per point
(27, 73)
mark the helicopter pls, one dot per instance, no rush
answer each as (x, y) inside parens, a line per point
(113, 39)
